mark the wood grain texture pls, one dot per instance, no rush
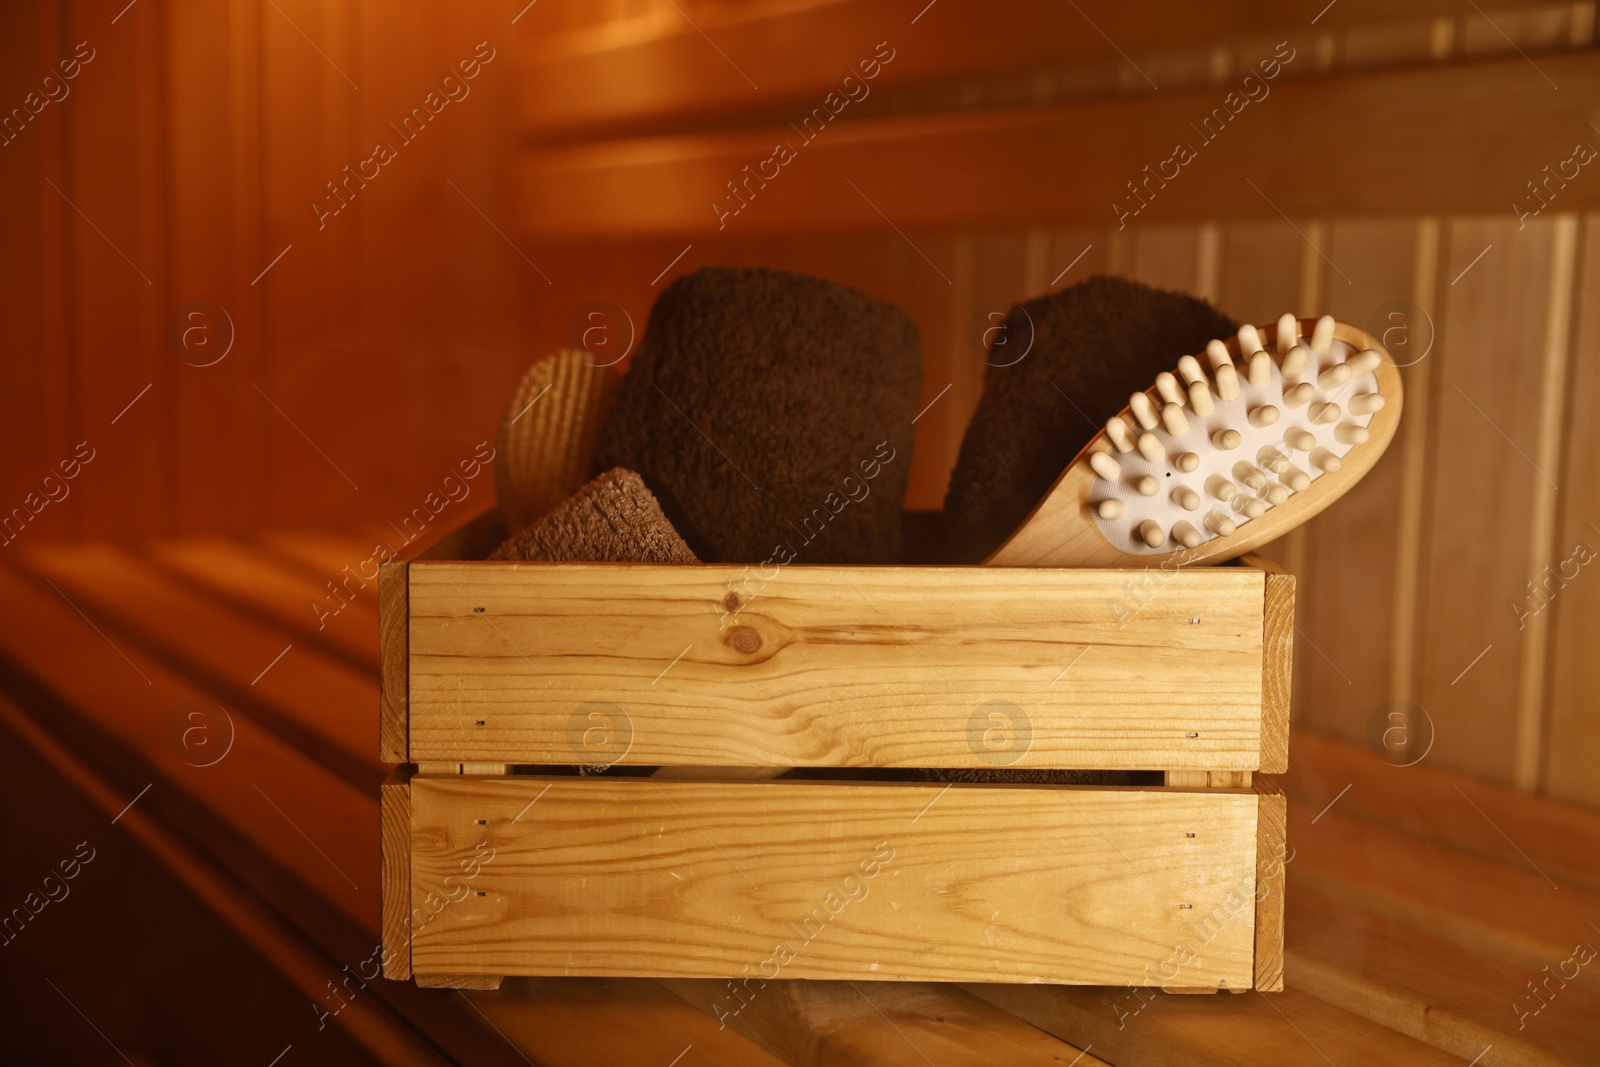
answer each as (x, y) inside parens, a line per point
(1458, 1001)
(816, 1024)
(878, 881)
(458, 981)
(1562, 839)
(90, 673)
(250, 667)
(1061, 531)
(394, 651)
(394, 836)
(1155, 1029)
(270, 589)
(613, 1020)
(1277, 663)
(1511, 912)
(1573, 738)
(934, 171)
(830, 666)
(960, 43)
(1272, 858)
(175, 884)
(1348, 673)
(1483, 509)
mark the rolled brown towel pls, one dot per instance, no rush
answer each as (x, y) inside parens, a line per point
(767, 408)
(612, 519)
(1092, 345)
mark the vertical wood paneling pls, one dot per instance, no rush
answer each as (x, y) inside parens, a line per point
(1547, 455)
(1354, 545)
(1167, 257)
(1572, 741)
(1414, 440)
(31, 267)
(112, 173)
(1482, 521)
(211, 428)
(307, 128)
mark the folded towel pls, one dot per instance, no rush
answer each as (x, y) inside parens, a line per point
(772, 409)
(1093, 344)
(613, 519)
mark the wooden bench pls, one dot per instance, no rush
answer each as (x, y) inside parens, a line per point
(1420, 903)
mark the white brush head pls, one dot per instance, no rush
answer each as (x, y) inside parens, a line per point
(1288, 328)
(1207, 463)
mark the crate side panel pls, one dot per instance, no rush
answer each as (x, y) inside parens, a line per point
(1277, 662)
(830, 880)
(1272, 856)
(394, 816)
(394, 662)
(834, 666)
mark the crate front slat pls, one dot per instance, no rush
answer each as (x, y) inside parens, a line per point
(835, 666)
(611, 876)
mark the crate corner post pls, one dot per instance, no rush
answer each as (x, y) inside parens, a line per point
(394, 659)
(1272, 858)
(395, 862)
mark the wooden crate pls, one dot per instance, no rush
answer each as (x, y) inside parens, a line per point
(500, 677)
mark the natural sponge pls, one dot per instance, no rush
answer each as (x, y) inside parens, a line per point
(547, 436)
(613, 519)
(771, 413)
(1092, 345)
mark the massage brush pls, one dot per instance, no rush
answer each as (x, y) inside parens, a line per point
(1244, 442)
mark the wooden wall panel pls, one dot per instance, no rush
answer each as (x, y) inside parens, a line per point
(31, 262)
(1454, 139)
(956, 42)
(212, 152)
(1482, 517)
(1572, 742)
(1355, 546)
(112, 174)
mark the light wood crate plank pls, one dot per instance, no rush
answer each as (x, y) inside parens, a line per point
(829, 666)
(394, 630)
(1272, 857)
(1277, 663)
(394, 831)
(831, 880)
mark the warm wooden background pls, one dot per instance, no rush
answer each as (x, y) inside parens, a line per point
(377, 352)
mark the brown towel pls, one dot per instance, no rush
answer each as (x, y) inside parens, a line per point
(613, 519)
(1092, 345)
(767, 408)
